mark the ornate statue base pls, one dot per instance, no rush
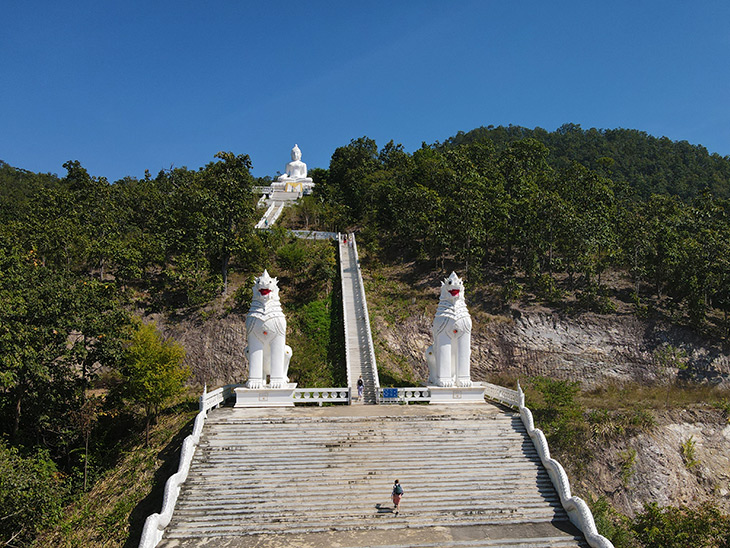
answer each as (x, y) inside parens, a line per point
(297, 187)
(457, 395)
(265, 396)
(282, 196)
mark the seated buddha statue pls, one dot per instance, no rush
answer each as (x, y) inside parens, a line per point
(296, 170)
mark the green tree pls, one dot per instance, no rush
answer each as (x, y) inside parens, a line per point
(32, 494)
(350, 172)
(229, 207)
(153, 372)
(33, 341)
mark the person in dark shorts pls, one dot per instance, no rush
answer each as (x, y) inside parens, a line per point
(396, 496)
(360, 387)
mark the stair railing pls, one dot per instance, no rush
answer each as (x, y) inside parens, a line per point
(155, 524)
(578, 511)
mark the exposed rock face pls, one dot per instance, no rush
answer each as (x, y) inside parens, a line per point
(660, 472)
(593, 349)
(590, 349)
(214, 347)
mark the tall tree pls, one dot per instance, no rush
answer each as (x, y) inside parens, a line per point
(153, 371)
(230, 207)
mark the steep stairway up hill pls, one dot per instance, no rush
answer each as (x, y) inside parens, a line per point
(360, 358)
(323, 476)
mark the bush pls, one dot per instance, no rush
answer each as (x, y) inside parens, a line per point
(310, 337)
(662, 527)
(512, 291)
(680, 527)
(689, 457)
(611, 524)
(546, 289)
(595, 300)
(32, 494)
(611, 425)
(559, 415)
(293, 256)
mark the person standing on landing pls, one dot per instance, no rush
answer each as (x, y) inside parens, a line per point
(360, 387)
(396, 496)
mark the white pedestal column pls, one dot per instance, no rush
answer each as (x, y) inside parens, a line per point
(265, 397)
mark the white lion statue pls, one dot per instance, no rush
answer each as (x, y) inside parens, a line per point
(267, 351)
(449, 357)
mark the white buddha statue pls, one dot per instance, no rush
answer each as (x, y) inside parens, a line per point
(296, 170)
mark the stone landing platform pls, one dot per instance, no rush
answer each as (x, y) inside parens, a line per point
(312, 477)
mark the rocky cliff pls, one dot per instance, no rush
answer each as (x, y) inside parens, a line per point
(591, 349)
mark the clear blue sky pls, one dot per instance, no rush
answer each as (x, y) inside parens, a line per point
(134, 85)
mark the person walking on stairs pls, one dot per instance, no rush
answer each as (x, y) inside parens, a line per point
(360, 387)
(396, 496)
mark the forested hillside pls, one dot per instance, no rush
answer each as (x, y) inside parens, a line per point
(543, 223)
(648, 164)
(78, 257)
(571, 220)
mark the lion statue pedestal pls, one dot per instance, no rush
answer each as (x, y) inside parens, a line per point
(267, 351)
(449, 358)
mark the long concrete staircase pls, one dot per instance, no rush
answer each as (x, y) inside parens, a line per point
(311, 477)
(360, 358)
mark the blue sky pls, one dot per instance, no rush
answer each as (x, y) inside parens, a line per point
(128, 86)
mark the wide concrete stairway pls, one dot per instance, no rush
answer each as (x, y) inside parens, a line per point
(311, 477)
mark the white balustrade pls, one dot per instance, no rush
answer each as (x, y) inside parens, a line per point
(314, 234)
(404, 395)
(578, 511)
(502, 395)
(213, 399)
(368, 332)
(322, 395)
(344, 314)
(154, 525)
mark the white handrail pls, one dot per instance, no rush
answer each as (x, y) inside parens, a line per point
(578, 511)
(502, 395)
(154, 525)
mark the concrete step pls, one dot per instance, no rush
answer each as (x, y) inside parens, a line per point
(254, 524)
(307, 472)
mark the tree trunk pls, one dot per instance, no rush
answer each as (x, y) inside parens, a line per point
(550, 259)
(86, 461)
(224, 272)
(16, 419)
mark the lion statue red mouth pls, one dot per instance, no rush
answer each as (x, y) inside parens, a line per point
(264, 292)
(454, 292)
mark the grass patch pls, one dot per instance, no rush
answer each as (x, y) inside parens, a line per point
(641, 396)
